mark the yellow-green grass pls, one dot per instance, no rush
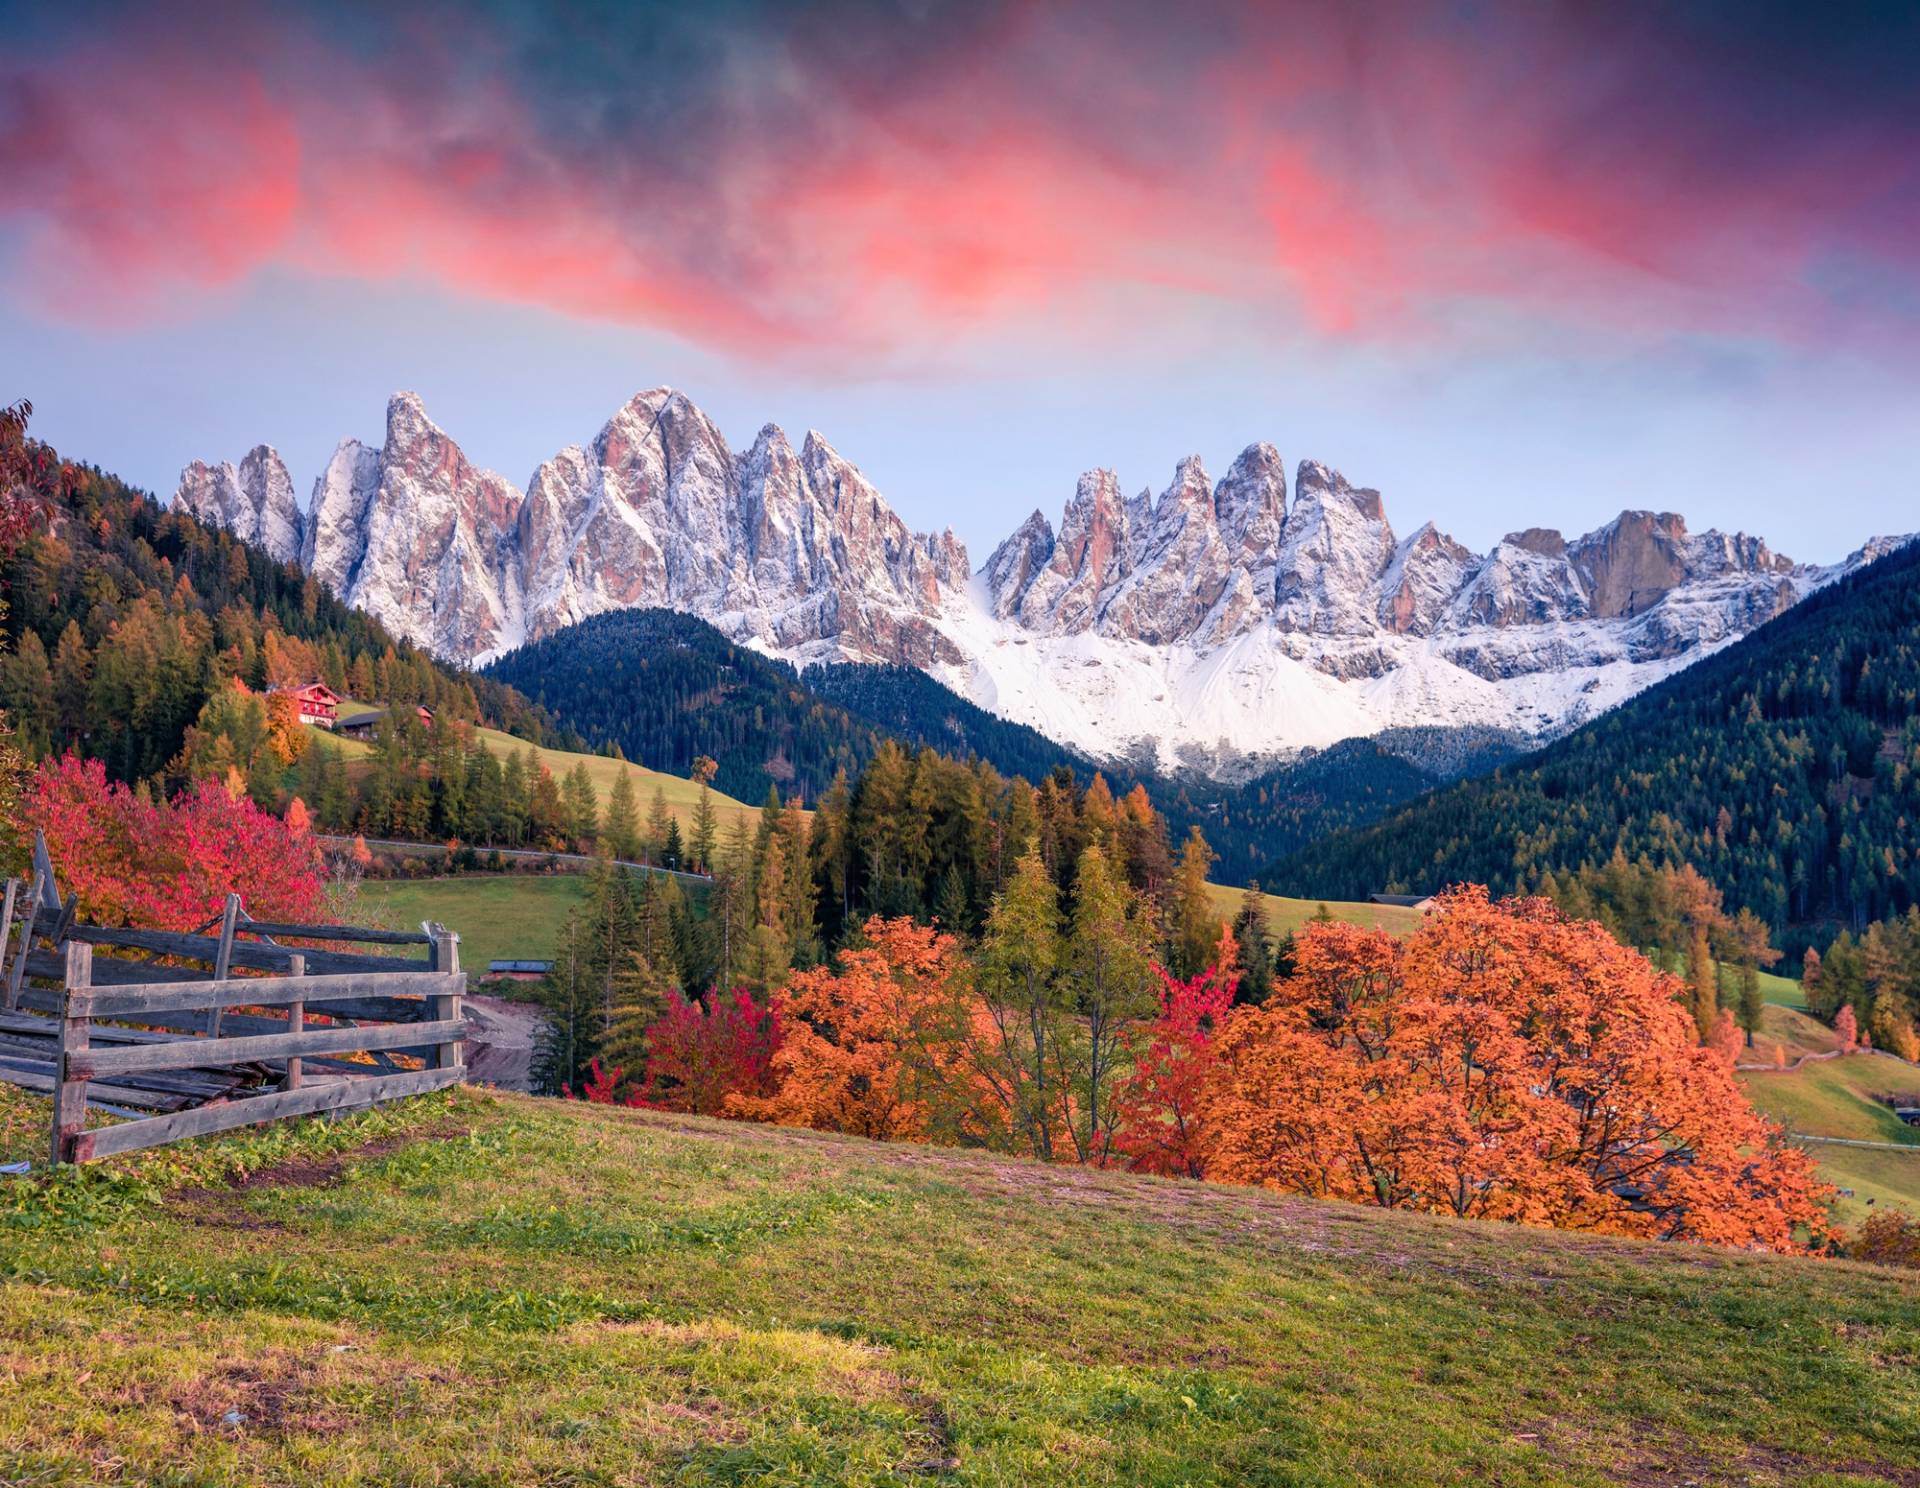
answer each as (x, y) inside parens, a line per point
(1790, 1029)
(681, 794)
(489, 1289)
(1285, 916)
(1845, 1098)
(1840, 1097)
(505, 917)
(1879, 1179)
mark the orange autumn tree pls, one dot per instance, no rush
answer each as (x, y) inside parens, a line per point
(868, 1046)
(1503, 1062)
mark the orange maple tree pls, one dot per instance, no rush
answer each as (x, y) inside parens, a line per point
(867, 1044)
(1502, 1062)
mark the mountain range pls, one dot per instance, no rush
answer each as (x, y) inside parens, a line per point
(1216, 628)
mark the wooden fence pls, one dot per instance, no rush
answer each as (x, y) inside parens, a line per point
(258, 1035)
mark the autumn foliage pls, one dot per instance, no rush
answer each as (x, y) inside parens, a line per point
(1160, 1124)
(867, 1045)
(703, 1052)
(1503, 1062)
(169, 865)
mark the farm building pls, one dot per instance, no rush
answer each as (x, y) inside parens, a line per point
(319, 704)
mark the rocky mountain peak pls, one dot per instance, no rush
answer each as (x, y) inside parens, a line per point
(1213, 617)
(254, 501)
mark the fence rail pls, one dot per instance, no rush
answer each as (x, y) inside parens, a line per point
(271, 1031)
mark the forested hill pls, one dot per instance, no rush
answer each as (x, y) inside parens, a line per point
(123, 617)
(1786, 769)
(668, 687)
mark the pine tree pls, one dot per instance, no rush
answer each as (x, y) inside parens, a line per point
(582, 807)
(622, 826)
(950, 909)
(1255, 938)
(72, 672)
(659, 819)
(673, 852)
(704, 830)
(575, 1017)
(640, 1001)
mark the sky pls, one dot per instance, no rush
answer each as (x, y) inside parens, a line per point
(1515, 265)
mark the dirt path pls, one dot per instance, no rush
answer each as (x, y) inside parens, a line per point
(500, 1041)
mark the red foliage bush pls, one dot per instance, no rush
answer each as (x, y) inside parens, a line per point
(1159, 1125)
(169, 866)
(701, 1052)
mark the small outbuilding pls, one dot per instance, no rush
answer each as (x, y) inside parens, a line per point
(516, 971)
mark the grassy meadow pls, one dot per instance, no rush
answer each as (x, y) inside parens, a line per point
(483, 1289)
(507, 917)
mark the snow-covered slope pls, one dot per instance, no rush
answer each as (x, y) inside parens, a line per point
(1217, 626)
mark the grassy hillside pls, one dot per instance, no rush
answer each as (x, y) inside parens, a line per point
(490, 1290)
(512, 916)
(680, 792)
(1284, 916)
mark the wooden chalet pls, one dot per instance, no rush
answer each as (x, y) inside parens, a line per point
(362, 725)
(319, 704)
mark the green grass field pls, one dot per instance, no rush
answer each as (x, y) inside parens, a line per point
(1846, 1098)
(480, 1289)
(513, 916)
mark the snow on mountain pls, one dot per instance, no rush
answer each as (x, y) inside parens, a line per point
(1216, 627)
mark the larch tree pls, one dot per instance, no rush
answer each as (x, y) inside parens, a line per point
(1109, 986)
(1019, 959)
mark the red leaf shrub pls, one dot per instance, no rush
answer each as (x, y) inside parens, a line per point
(169, 866)
(1158, 1129)
(701, 1052)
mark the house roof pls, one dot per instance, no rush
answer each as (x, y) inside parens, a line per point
(1402, 901)
(539, 966)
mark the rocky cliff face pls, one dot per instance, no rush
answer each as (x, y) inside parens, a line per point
(255, 502)
(795, 551)
(1219, 625)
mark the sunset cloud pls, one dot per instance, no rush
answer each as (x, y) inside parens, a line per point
(848, 181)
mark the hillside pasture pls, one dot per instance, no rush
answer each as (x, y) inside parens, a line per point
(486, 1289)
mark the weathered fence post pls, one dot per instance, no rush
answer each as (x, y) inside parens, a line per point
(223, 957)
(446, 957)
(6, 921)
(296, 1020)
(17, 975)
(70, 1094)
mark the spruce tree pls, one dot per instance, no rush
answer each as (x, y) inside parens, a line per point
(575, 1018)
(622, 826)
(658, 820)
(705, 829)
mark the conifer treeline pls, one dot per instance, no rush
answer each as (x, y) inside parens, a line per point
(920, 836)
(125, 620)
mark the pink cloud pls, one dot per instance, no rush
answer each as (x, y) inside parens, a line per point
(1348, 180)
